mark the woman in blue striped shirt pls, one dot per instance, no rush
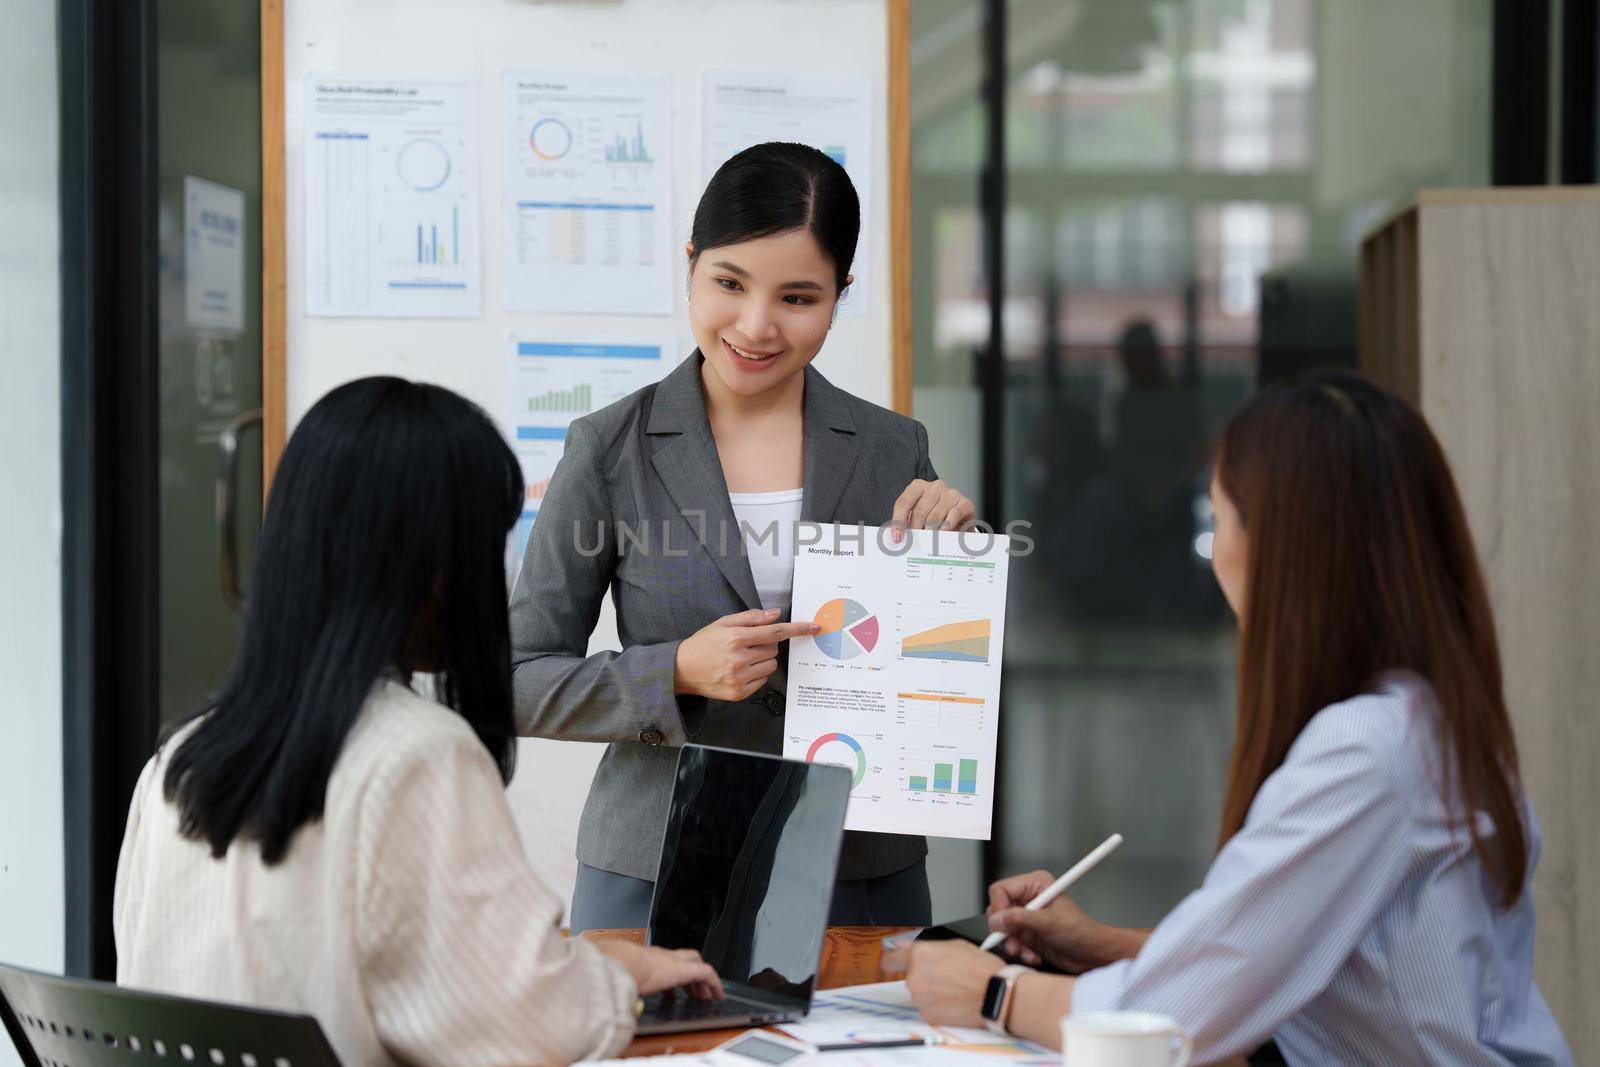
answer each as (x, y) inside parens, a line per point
(1369, 902)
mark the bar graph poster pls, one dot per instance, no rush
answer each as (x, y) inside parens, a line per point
(830, 112)
(902, 684)
(553, 382)
(587, 192)
(391, 197)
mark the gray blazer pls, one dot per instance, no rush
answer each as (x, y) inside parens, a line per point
(638, 506)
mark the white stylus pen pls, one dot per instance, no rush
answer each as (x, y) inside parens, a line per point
(1062, 884)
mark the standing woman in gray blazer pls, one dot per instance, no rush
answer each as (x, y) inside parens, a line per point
(682, 500)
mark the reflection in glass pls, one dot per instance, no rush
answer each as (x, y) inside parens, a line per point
(1186, 185)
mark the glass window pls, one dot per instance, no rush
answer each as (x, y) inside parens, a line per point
(1187, 182)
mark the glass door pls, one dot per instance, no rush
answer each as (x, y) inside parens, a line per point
(161, 362)
(208, 162)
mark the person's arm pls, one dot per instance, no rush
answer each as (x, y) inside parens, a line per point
(571, 559)
(1038, 1001)
(1324, 848)
(947, 981)
(460, 958)
(128, 897)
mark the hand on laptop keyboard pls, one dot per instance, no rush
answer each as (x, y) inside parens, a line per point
(658, 969)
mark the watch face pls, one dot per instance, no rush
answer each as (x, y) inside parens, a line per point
(994, 994)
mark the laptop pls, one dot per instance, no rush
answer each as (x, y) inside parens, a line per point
(746, 879)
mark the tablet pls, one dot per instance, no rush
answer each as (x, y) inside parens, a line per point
(974, 929)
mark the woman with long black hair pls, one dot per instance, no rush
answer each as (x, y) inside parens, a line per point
(323, 839)
(1369, 902)
(683, 501)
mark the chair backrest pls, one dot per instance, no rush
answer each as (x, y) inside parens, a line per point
(69, 1022)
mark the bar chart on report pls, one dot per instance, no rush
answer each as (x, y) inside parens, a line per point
(553, 382)
(956, 775)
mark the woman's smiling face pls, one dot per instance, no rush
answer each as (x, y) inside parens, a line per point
(760, 310)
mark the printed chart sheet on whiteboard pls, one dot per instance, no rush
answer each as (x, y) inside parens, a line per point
(902, 684)
(587, 191)
(830, 112)
(391, 173)
(553, 381)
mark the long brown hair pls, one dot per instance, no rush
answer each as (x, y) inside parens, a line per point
(1359, 561)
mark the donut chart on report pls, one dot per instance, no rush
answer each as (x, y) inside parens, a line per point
(848, 629)
(836, 754)
(550, 138)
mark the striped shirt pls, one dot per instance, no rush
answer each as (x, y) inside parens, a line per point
(406, 919)
(1347, 919)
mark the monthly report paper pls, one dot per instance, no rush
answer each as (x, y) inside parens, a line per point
(587, 192)
(391, 196)
(902, 685)
(830, 112)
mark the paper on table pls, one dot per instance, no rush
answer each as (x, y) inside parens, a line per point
(885, 1012)
(830, 112)
(391, 186)
(587, 191)
(902, 686)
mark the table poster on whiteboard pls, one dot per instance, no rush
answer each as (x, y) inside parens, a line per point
(587, 192)
(902, 685)
(830, 112)
(391, 196)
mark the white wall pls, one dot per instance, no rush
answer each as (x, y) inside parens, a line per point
(683, 38)
(32, 894)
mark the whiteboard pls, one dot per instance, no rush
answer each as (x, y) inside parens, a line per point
(481, 38)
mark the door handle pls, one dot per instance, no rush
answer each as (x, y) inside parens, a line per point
(227, 495)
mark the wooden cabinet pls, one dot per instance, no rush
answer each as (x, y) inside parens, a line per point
(1483, 306)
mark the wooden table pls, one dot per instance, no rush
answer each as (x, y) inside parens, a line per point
(851, 955)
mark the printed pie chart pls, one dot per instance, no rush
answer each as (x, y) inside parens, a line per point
(848, 629)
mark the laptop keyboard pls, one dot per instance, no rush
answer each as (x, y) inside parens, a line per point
(675, 1007)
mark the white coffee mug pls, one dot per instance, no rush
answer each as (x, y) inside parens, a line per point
(1124, 1039)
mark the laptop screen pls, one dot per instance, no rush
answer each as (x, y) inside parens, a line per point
(747, 865)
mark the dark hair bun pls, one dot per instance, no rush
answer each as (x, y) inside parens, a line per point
(777, 187)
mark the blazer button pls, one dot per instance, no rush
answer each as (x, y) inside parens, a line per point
(774, 702)
(651, 736)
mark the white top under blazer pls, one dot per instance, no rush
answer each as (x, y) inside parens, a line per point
(767, 523)
(407, 920)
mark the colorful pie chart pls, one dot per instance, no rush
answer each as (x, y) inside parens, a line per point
(848, 629)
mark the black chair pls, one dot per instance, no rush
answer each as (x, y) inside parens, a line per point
(68, 1022)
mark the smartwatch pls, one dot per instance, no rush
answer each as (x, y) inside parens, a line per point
(997, 996)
